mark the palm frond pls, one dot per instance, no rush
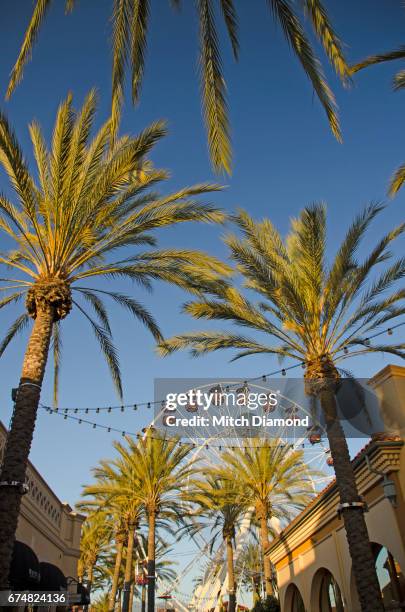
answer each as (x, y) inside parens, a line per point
(399, 80)
(108, 349)
(378, 59)
(328, 37)
(214, 90)
(139, 30)
(19, 325)
(57, 356)
(121, 20)
(397, 181)
(310, 63)
(231, 22)
(38, 16)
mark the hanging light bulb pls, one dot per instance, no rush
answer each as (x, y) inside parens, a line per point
(80, 421)
(345, 350)
(148, 406)
(122, 408)
(389, 331)
(94, 426)
(75, 410)
(87, 411)
(283, 372)
(97, 410)
(135, 407)
(109, 409)
(109, 429)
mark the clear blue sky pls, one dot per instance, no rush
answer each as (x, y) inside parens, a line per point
(285, 157)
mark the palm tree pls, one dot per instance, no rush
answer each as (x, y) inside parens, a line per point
(249, 569)
(163, 567)
(222, 502)
(88, 204)
(125, 514)
(315, 312)
(130, 19)
(150, 472)
(275, 482)
(398, 178)
(95, 538)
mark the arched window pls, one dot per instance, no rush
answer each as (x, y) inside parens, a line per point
(391, 579)
(330, 597)
(294, 602)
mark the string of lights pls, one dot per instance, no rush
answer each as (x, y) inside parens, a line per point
(262, 377)
(125, 432)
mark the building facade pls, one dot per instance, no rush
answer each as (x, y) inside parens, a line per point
(48, 530)
(311, 556)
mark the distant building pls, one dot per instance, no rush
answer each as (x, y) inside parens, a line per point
(311, 555)
(47, 544)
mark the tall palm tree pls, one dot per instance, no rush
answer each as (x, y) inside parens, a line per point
(398, 178)
(316, 313)
(151, 472)
(66, 228)
(125, 515)
(275, 482)
(130, 20)
(95, 538)
(222, 502)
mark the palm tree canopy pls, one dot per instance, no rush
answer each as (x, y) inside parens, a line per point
(150, 473)
(130, 19)
(96, 535)
(221, 501)
(273, 476)
(313, 311)
(73, 222)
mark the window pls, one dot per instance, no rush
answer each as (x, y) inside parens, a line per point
(391, 579)
(330, 597)
(294, 601)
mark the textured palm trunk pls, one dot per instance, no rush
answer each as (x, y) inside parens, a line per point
(231, 575)
(20, 435)
(131, 596)
(151, 561)
(143, 599)
(363, 562)
(264, 537)
(128, 570)
(116, 576)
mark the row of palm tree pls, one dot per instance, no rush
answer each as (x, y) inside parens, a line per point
(92, 201)
(161, 482)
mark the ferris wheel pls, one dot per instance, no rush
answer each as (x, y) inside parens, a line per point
(281, 420)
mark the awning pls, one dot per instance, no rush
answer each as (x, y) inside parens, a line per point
(52, 578)
(25, 568)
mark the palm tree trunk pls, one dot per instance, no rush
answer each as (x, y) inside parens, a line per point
(128, 569)
(264, 537)
(116, 576)
(363, 562)
(131, 596)
(19, 437)
(151, 562)
(231, 575)
(90, 576)
(143, 599)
